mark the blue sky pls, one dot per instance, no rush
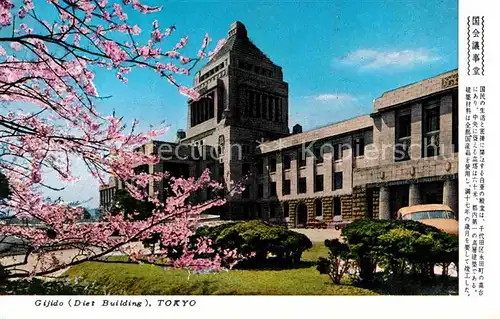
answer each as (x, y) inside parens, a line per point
(337, 56)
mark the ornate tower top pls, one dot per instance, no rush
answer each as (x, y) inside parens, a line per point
(237, 29)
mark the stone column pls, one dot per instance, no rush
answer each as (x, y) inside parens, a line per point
(414, 195)
(384, 203)
(450, 195)
(416, 131)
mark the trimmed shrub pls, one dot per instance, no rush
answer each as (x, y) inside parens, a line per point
(338, 262)
(399, 247)
(260, 238)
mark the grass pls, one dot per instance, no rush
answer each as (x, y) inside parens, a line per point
(133, 279)
(153, 280)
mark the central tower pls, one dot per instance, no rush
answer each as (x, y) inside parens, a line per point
(244, 100)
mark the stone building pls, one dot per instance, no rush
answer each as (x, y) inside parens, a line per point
(403, 153)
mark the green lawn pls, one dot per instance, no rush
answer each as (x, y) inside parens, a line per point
(152, 280)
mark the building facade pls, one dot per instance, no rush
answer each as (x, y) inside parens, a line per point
(403, 153)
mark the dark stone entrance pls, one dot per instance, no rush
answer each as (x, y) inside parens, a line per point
(301, 215)
(399, 197)
(431, 193)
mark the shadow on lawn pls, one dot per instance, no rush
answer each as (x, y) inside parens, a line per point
(275, 264)
(407, 285)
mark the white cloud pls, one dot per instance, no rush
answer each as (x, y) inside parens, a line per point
(369, 59)
(329, 97)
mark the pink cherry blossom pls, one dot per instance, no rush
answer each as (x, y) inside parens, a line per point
(191, 93)
(52, 118)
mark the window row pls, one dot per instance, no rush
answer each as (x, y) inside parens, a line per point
(107, 196)
(318, 153)
(203, 110)
(430, 121)
(243, 65)
(258, 212)
(319, 186)
(212, 72)
(263, 106)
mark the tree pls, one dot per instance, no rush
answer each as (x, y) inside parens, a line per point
(339, 260)
(4, 187)
(50, 118)
(86, 214)
(130, 207)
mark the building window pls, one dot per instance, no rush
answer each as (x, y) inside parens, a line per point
(203, 109)
(318, 154)
(251, 104)
(286, 187)
(302, 185)
(287, 161)
(337, 180)
(359, 147)
(403, 135)
(245, 169)
(337, 207)
(246, 192)
(272, 211)
(258, 105)
(265, 106)
(272, 164)
(454, 124)
(430, 130)
(286, 210)
(302, 158)
(318, 208)
(272, 189)
(318, 183)
(260, 191)
(337, 152)
(260, 167)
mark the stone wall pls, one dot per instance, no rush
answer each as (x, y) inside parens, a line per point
(355, 205)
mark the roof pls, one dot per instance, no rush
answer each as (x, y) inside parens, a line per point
(413, 91)
(351, 125)
(238, 41)
(426, 207)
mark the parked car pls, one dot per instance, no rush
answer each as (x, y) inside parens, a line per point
(338, 223)
(440, 216)
(316, 224)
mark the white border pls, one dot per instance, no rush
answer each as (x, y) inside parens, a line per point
(13, 307)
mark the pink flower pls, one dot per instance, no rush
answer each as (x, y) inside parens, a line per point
(118, 11)
(219, 45)
(16, 46)
(182, 43)
(191, 93)
(5, 13)
(114, 52)
(156, 35)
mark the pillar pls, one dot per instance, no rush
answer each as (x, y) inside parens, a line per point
(414, 195)
(384, 203)
(450, 195)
